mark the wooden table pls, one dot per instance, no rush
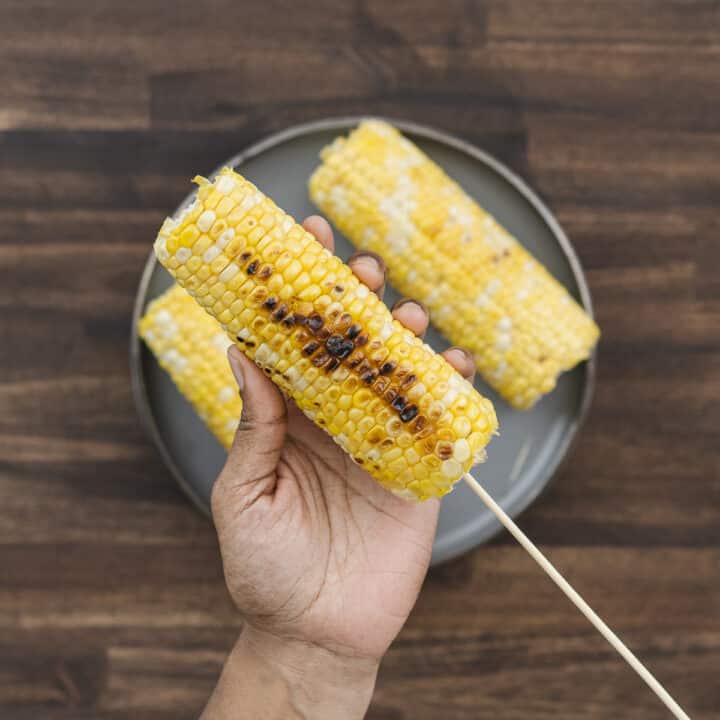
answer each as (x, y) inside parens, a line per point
(112, 601)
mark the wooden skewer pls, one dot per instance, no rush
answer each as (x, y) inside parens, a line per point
(576, 599)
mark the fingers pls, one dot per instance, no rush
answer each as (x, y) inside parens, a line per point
(320, 228)
(462, 361)
(250, 467)
(369, 269)
(412, 314)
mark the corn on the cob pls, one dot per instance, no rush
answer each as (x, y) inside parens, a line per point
(191, 347)
(483, 289)
(398, 409)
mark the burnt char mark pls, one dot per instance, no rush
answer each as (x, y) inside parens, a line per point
(252, 267)
(361, 339)
(409, 380)
(322, 334)
(339, 288)
(244, 257)
(334, 362)
(299, 319)
(289, 320)
(420, 423)
(408, 413)
(399, 403)
(339, 347)
(265, 272)
(315, 322)
(353, 331)
(270, 303)
(250, 343)
(320, 359)
(310, 348)
(368, 377)
(281, 312)
(355, 360)
(387, 368)
(381, 384)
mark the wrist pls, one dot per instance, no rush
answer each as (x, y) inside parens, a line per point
(320, 683)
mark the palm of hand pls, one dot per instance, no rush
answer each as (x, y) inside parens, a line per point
(324, 554)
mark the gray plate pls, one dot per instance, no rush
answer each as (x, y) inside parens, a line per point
(531, 445)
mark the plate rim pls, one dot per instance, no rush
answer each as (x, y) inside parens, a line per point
(341, 124)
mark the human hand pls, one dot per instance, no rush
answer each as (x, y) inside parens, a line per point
(317, 556)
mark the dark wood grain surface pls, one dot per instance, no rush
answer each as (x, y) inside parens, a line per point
(112, 602)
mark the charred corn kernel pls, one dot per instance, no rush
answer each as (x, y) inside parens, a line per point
(483, 289)
(191, 347)
(326, 340)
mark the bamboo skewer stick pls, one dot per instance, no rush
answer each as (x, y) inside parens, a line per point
(576, 599)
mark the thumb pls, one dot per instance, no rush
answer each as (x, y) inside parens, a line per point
(250, 467)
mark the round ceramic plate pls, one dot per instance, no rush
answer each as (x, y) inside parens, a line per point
(532, 444)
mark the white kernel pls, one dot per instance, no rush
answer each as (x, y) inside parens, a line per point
(263, 354)
(211, 253)
(163, 317)
(362, 291)
(173, 360)
(450, 397)
(482, 300)
(229, 272)
(452, 469)
(504, 324)
(227, 393)
(225, 238)
(342, 439)
(231, 425)
(386, 331)
(161, 249)
(183, 254)
(411, 276)
(503, 342)
(461, 451)
(499, 371)
(493, 286)
(206, 220)
(522, 294)
(287, 224)
(226, 184)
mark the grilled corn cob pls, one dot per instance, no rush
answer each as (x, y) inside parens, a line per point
(191, 347)
(398, 409)
(483, 289)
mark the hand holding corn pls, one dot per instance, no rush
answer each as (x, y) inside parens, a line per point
(313, 548)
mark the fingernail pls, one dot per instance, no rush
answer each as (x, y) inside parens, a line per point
(410, 301)
(365, 256)
(234, 360)
(466, 353)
